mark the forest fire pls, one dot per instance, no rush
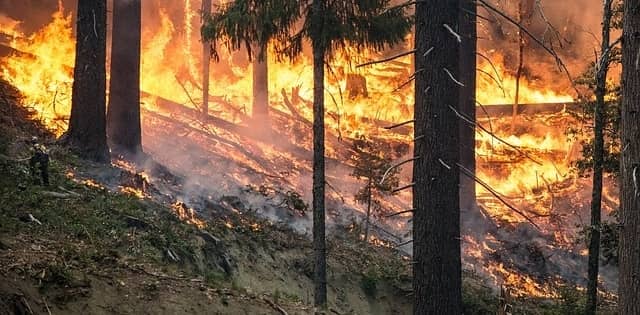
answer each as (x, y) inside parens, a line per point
(534, 173)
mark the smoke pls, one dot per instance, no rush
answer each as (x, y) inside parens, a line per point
(567, 27)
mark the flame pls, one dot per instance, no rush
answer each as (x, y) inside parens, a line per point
(497, 85)
(42, 70)
(188, 215)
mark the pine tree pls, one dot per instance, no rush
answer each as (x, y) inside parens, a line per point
(123, 113)
(252, 24)
(87, 125)
(598, 155)
(373, 164)
(629, 290)
(329, 26)
(436, 220)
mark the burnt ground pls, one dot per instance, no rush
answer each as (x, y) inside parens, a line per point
(79, 247)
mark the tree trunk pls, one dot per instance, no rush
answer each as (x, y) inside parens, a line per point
(261, 86)
(436, 221)
(516, 100)
(598, 157)
(629, 290)
(366, 226)
(123, 113)
(87, 125)
(206, 55)
(468, 102)
(319, 243)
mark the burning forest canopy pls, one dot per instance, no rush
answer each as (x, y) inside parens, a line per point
(226, 156)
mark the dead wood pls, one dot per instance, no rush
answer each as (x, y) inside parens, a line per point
(275, 306)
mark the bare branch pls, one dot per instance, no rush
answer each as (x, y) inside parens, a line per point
(476, 124)
(399, 213)
(400, 55)
(494, 70)
(396, 166)
(456, 35)
(404, 243)
(552, 52)
(401, 124)
(403, 188)
(444, 164)
(470, 174)
(452, 78)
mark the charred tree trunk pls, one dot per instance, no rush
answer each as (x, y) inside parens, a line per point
(366, 226)
(629, 290)
(87, 132)
(598, 157)
(123, 113)
(261, 86)
(319, 243)
(516, 100)
(436, 221)
(206, 56)
(467, 75)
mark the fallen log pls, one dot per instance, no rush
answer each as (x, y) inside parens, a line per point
(526, 109)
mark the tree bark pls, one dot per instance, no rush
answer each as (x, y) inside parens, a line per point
(366, 227)
(206, 55)
(123, 113)
(87, 125)
(261, 86)
(598, 157)
(629, 289)
(319, 243)
(516, 100)
(436, 223)
(467, 75)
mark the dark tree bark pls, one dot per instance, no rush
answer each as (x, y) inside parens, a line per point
(206, 58)
(123, 113)
(436, 222)
(261, 86)
(467, 75)
(87, 133)
(598, 158)
(629, 290)
(368, 218)
(319, 242)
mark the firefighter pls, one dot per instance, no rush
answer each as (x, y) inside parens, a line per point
(40, 160)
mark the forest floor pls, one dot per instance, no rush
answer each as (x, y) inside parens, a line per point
(77, 247)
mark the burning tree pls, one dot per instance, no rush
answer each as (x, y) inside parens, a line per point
(252, 24)
(87, 125)
(372, 165)
(630, 164)
(436, 220)
(123, 113)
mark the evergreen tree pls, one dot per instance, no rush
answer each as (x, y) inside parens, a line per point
(437, 274)
(329, 26)
(371, 163)
(87, 125)
(598, 155)
(252, 24)
(629, 290)
(123, 113)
